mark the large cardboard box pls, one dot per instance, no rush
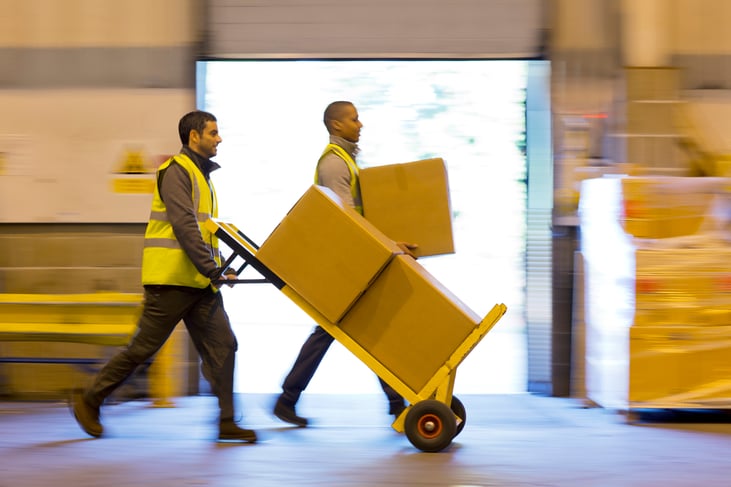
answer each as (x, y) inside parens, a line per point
(409, 322)
(679, 366)
(409, 202)
(326, 252)
(683, 285)
(665, 206)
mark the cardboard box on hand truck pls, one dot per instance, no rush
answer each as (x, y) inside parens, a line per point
(326, 252)
(409, 322)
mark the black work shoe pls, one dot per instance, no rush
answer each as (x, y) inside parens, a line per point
(86, 415)
(396, 409)
(288, 415)
(228, 430)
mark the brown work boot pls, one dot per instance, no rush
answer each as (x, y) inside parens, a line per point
(286, 413)
(86, 415)
(396, 408)
(230, 431)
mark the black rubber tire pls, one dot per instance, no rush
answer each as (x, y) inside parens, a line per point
(430, 425)
(459, 411)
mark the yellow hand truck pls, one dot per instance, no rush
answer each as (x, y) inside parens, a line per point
(434, 417)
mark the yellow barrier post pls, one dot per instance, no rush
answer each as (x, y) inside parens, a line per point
(165, 371)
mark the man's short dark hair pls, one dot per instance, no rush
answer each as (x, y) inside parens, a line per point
(334, 111)
(195, 120)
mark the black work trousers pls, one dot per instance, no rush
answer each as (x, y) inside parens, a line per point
(309, 358)
(209, 328)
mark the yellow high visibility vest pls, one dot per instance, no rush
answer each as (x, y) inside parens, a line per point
(352, 167)
(163, 260)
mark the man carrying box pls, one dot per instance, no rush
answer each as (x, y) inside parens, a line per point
(338, 171)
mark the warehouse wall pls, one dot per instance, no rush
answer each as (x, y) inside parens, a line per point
(84, 83)
(86, 88)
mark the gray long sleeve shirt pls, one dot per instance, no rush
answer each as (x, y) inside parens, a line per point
(176, 189)
(333, 172)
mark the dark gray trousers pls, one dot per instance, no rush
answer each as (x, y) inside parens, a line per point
(309, 358)
(209, 328)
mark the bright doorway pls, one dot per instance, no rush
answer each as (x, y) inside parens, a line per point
(469, 112)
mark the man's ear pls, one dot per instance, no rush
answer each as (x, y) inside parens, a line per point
(336, 126)
(194, 137)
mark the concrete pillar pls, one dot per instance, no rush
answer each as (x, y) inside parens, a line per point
(646, 32)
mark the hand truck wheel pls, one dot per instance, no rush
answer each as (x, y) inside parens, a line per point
(430, 425)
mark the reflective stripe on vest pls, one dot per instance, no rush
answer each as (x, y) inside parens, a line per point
(352, 167)
(163, 260)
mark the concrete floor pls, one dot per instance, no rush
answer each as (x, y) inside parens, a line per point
(508, 440)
